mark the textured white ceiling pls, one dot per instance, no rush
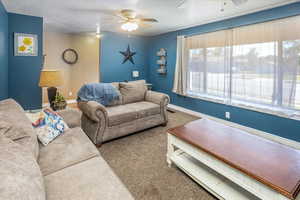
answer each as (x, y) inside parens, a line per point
(76, 16)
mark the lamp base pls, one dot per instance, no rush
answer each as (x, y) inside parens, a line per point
(51, 95)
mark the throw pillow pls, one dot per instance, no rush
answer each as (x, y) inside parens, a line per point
(49, 126)
(117, 101)
(133, 91)
(20, 174)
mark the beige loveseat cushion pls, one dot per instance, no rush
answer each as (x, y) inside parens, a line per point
(20, 175)
(92, 179)
(68, 149)
(133, 91)
(13, 113)
(120, 114)
(145, 108)
(125, 113)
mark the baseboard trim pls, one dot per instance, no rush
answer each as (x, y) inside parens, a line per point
(68, 101)
(72, 101)
(263, 134)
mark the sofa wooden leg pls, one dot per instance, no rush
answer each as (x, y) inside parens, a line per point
(164, 124)
(98, 145)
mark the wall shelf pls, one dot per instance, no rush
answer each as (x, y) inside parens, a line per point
(162, 61)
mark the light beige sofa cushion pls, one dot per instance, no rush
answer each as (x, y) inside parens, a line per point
(120, 114)
(14, 114)
(126, 113)
(30, 144)
(19, 136)
(71, 116)
(145, 108)
(68, 149)
(89, 180)
(20, 175)
(133, 91)
(10, 131)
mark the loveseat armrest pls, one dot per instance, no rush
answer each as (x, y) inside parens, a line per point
(94, 120)
(71, 116)
(91, 110)
(162, 100)
(158, 98)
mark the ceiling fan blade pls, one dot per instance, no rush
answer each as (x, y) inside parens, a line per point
(143, 25)
(239, 2)
(152, 20)
(121, 16)
(122, 21)
(128, 13)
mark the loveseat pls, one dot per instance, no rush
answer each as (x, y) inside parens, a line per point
(69, 168)
(136, 110)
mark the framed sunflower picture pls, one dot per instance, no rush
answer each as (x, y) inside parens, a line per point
(25, 44)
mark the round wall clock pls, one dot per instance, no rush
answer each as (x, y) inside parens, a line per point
(70, 56)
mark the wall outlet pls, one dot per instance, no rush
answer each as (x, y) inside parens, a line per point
(227, 115)
(135, 74)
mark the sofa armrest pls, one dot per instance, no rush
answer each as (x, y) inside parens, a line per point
(157, 98)
(91, 109)
(71, 116)
(160, 99)
(94, 120)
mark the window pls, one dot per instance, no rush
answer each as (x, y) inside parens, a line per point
(257, 65)
(207, 64)
(253, 72)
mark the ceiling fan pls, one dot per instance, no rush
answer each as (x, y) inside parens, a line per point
(131, 21)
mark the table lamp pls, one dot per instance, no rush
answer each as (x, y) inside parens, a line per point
(51, 79)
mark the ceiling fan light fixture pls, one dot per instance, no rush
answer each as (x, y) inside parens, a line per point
(98, 32)
(98, 35)
(130, 26)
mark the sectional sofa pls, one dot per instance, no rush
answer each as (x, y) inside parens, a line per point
(70, 167)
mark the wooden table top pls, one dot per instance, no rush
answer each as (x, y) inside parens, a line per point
(274, 164)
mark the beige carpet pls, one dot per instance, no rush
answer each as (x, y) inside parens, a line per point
(140, 162)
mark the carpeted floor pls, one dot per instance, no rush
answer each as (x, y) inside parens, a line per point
(140, 162)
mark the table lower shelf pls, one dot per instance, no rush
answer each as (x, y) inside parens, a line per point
(215, 183)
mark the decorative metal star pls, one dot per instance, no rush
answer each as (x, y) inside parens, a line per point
(128, 55)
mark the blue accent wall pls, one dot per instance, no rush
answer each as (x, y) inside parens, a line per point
(111, 67)
(276, 125)
(24, 71)
(3, 52)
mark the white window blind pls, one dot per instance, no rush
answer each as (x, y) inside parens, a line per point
(256, 65)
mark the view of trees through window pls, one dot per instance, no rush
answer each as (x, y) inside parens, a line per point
(264, 72)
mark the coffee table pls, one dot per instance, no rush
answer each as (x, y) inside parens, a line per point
(233, 164)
